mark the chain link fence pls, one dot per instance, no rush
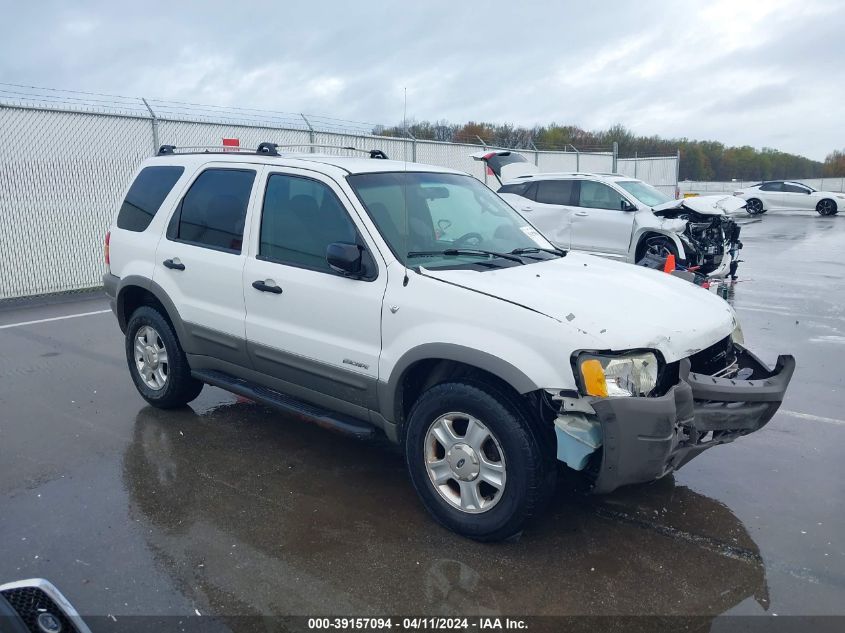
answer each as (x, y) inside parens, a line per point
(65, 162)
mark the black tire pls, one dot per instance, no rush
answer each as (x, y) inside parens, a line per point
(530, 470)
(180, 387)
(826, 207)
(663, 245)
(754, 206)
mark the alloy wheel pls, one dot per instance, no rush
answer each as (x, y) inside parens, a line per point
(465, 462)
(151, 358)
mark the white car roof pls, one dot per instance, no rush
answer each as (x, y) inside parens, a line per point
(335, 165)
(574, 175)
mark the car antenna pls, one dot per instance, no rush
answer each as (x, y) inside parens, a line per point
(405, 184)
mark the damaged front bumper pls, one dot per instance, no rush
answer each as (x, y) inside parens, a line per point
(640, 439)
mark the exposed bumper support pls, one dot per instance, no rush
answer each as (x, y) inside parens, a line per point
(646, 438)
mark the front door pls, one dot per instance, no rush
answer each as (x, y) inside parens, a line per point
(307, 325)
(600, 222)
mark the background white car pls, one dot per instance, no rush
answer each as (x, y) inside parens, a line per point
(781, 195)
(620, 217)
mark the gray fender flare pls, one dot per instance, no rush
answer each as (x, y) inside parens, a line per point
(158, 292)
(389, 402)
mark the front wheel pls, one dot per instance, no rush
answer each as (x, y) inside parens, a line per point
(826, 207)
(157, 361)
(754, 207)
(475, 461)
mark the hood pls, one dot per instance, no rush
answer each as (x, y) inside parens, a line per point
(705, 205)
(609, 305)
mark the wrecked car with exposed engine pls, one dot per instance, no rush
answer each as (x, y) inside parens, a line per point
(621, 217)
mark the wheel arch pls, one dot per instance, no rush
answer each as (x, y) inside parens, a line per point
(646, 232)
(134, 292)
(427, 365)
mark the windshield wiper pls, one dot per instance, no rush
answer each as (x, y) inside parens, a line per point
(466, 251)
(536, 249)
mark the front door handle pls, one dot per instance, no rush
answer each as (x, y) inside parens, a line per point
(174, 264)
(267, 286)
(529, 208)
(581, 213)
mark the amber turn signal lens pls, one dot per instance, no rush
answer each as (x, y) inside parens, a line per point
(595, 383)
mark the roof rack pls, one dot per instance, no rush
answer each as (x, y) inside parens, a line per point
(267, 149)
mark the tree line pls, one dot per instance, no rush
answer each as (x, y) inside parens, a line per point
(700, 160)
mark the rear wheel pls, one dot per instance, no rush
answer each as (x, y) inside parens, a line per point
(754, 206)
(826, 207)
(157, 361)
(475, 461)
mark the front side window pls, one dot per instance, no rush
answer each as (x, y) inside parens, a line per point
(794, 188)
(644, 192)
(146, 195)
(300, 218)
(555, 191)
(425, 214)
(213, 212)
(597, 195)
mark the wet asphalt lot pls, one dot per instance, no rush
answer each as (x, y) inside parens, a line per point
(228, 508)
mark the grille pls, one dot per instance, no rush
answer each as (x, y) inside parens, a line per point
(30, 602)
(715, 359)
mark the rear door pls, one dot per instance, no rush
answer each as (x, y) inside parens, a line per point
(600, 223)
(772, 195)
(547, 204)
(200, 261)
(306, 324)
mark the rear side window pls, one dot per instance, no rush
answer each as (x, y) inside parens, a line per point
(145, 197)
(213, 212)
(554, 191)
(301, 217)
(771, 186)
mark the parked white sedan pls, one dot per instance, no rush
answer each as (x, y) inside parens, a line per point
(780, 195)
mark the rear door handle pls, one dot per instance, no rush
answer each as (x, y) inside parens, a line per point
(267, 286)
(527, 208)
(174, 264)
(581, 213)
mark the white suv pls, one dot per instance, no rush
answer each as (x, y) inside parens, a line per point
(621, 217)
(375, 294)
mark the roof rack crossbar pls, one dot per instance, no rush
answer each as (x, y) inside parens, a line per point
(266, 148)
(374, 153)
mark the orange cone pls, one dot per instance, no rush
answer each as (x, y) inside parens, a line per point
(669, 266)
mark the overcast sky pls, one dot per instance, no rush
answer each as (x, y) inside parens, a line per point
(766, 73)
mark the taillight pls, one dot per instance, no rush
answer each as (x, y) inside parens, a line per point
(106, 249)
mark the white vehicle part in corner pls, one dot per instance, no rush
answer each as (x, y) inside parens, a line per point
(577, 438)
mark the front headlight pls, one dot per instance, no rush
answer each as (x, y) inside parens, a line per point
(737, 336)
(625, 375)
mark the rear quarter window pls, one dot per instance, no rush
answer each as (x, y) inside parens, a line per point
(145, 196)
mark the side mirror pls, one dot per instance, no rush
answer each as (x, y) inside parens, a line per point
(627, 206)
(345, 258)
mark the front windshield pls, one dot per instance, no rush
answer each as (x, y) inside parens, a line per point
(421, 215)
(644, 192)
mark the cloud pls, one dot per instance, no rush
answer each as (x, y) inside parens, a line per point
(757, 73)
